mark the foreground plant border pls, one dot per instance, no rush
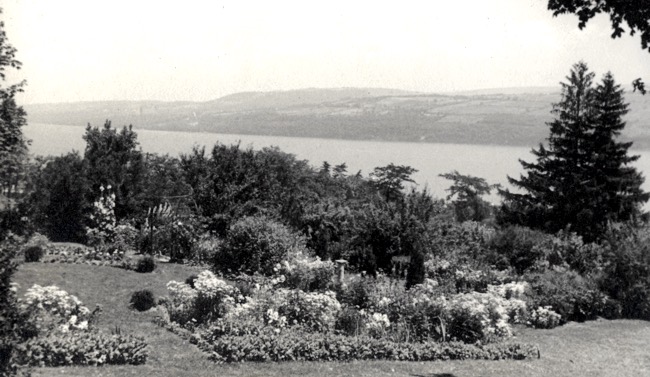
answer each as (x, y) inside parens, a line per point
(302, 346)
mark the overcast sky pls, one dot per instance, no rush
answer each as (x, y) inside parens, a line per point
(201, 50)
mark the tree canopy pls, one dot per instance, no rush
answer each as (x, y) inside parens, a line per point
(634, 14)
(13, 144)
(583, 179)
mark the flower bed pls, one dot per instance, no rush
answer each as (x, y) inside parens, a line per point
(304, 346)
(279, 324)
(64, 333)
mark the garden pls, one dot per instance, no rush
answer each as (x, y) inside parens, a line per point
(253, 262)
(331, 267)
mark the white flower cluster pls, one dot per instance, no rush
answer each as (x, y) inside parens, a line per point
(181, 296)
(544, 318)
(103, 217)
(53, 306)
(311, 309)
(514, 299)
(516, 289)
(376, 323)
(274, 319)
(481, 312)
(227, 300)
(209, 285)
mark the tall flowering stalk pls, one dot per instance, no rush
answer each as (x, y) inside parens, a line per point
(103, 219)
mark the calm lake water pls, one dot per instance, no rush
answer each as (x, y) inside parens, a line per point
(494, 163)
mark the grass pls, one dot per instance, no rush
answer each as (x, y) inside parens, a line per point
(598, 348)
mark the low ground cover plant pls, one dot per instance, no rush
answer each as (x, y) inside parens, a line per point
(306, 346)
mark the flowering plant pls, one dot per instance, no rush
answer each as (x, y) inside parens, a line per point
(544, 318)
(313, 311)
(301, 271)
(478, 316)
(376, 324)
(210, 299)
(103, 219)
(53, 308)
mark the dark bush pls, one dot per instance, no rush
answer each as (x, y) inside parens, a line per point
(627, 272)
(143, 300)
(145, 264)
(191, 279)
(349, 322)
(517, 247)
(34, 254)
(416, 271)
(14, 324)
(357, 292)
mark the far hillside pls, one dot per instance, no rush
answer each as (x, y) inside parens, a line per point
(509, 116)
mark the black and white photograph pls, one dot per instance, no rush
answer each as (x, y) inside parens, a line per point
(340, 188)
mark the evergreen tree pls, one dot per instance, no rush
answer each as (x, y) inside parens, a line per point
(582, 180)
(618, 183)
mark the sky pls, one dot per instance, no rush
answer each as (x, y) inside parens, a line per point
(80, 50)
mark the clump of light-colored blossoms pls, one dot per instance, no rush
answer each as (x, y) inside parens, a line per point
(52, 307)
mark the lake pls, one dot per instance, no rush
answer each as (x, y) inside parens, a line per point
(494, 163)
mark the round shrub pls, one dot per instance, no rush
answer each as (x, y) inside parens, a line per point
(145, 264)
(143, 300)
(191, 279)
(256, 245)
(34, 254)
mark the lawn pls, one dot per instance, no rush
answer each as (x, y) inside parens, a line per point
(598, 348)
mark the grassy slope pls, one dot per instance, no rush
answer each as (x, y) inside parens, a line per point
(601, 348)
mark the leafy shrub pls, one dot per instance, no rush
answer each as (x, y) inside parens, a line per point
(460, 242)
(143, 300)
(304, 272)
(210, 299)
(627, 272)
(256, 244)
(66, 336)
(478, 316)
(191, 279)
(516, 246)
(34, 254)
(572, 296)
(38, 239)
(350, 321)
(85, 348)
(14, 326)
(145, 264)
(53, 308)
(312, 311)
(177, 239)
(124, 238)
(301, 346)
(416, 271)
(544, 318)
(205, 249)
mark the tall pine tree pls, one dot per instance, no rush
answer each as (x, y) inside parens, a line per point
(583, 179)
